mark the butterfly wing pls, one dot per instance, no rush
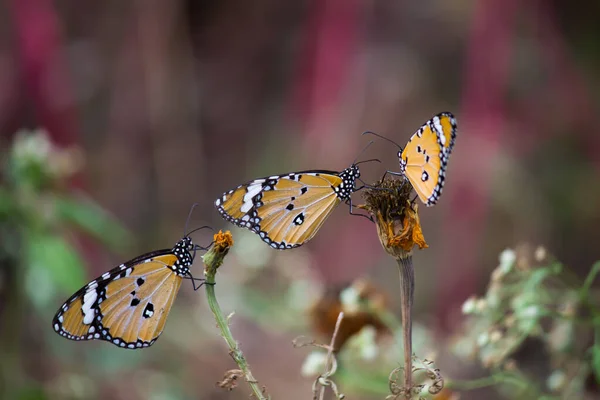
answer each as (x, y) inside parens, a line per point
(425, 157)
(286, 211)
(127, 306)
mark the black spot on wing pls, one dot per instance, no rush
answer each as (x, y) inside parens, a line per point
(148, 311)
(299, 220)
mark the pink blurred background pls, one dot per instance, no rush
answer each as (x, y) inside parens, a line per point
(175, 102)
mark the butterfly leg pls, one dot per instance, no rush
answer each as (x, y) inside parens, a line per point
(391, 173)
(194, 280)
(197, 247)
(370, 187)
(349, 202)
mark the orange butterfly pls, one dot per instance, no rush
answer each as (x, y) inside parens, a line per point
(288, 210)
(129, 305)
(425, 157)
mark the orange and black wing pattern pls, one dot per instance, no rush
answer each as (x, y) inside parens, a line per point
(287, 211)
(129, 305)
(425, 158)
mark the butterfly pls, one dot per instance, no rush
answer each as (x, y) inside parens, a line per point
(425, 157)
(129, 305)
(287, 210)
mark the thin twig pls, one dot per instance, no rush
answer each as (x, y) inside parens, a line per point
(330, 358)
(212, 261)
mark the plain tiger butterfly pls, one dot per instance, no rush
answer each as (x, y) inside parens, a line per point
(128, 306)
(425, 157)
(287, 210)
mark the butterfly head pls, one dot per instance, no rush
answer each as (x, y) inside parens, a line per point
(354, 171)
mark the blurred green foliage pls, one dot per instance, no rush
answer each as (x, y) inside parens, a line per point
(40, 250)
(535, 313)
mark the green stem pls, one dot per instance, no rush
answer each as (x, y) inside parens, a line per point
(212, 261)
(589, 280)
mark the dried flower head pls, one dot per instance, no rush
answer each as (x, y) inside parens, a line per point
(397, 218)
(361, 303)
(230, 379)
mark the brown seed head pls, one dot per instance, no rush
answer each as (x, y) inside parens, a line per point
(396, 217)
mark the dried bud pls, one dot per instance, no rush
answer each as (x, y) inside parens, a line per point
(397, 218)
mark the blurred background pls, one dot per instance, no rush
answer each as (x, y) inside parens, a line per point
(150, 106)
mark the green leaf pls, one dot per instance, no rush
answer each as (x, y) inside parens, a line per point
(92, 219)
(52, 264)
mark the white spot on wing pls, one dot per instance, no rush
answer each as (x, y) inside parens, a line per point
(438, 127)
(253, 190)
(88, 301)
(247, 206)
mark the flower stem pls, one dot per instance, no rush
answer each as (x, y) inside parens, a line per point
(407, 288)
(212, 261)
(399, 230)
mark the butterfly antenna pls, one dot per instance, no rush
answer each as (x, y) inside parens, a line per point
(197, 229)
(198, 247)
(366, 161)
(187, 221)
(362, 151)
(382, 137)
